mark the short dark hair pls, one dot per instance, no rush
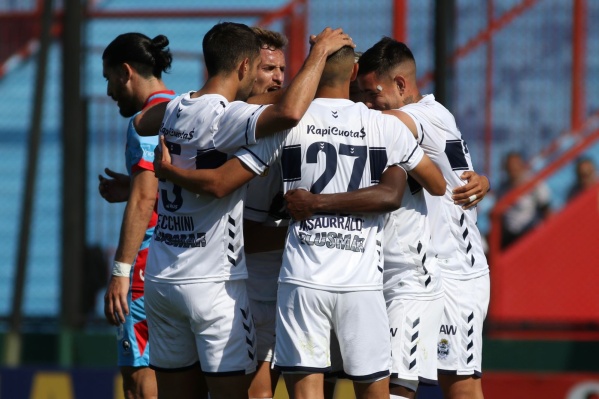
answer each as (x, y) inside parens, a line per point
(386, 54)
(149, 57)
(226, 44)
(270, 39)
(339, 66)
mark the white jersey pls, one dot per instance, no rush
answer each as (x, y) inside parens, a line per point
(199, 238)
(456, 240)
(264, 204)
(410, 271)
(338, 146)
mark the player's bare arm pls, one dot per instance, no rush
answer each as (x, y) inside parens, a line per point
(218, 182)
(115, 187)
(294, 103)
(148, 122)
(428, 175)
(476, 188)
(406, 119)
(380, 198)
(138, 213)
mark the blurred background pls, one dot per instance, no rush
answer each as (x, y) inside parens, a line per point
(520, 76)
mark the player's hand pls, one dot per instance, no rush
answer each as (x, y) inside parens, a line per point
(115, 300)
(161, 158)
(473, 192)
(299, 204)
(115, 187)
(331, 40)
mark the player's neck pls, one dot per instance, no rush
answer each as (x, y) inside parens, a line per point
(218, 85)
(411, 97)
(148, 88)
(333, 92)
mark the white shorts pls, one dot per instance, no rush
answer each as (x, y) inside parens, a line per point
(460, 344)
(414, 324)
(305, 318)
(265, 315)
(207, 322)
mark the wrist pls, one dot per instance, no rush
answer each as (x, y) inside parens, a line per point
(121, 269)
(488, 182)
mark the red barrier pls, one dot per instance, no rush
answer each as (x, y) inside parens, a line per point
(540, 385)
(549, 275)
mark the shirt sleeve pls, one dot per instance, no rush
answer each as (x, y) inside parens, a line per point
(140, 151)
(261, 193)
(263, 154)
(237, 126)
(403, 149)
(431, 140)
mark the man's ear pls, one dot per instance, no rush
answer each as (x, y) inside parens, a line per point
(400, 82)
(243, 69)
(354, 72)
(125, 72)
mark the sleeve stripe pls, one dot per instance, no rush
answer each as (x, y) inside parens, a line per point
(255, 156)
(410, 156)
(247, 127)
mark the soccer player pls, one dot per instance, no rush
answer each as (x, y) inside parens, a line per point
(196, 300)
(264, 228)
(132, 66)
(332, 274)
(387, 76)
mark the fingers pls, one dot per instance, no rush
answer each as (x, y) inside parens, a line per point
(163, 147)
(471, 204)
(332, 39)
(111, 173)
(115, 301)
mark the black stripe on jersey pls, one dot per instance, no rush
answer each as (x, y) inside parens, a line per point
(291, 163)
(454, 150)
(255, 156)
(422, 130)
(210, 158)
(247, 126)
(173, 148)
(410, 156)
(378, 160)
(415, 187)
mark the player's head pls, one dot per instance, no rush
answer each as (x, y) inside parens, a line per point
(515, 166)
(585, 172)
(271, 73)
(339, 69)
(387, 74)
(130, 59)
(232, 48)
(355, 94)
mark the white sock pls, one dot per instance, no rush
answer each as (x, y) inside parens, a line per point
(397, 397)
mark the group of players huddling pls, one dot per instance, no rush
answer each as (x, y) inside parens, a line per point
(362, 258)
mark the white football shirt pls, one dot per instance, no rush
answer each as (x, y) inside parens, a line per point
(410, 270)
(338, 146)
(456, 239)
(198, 237)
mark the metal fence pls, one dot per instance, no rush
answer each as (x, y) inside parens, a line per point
(526, 73)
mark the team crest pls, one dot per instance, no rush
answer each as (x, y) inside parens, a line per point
(443, 349)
